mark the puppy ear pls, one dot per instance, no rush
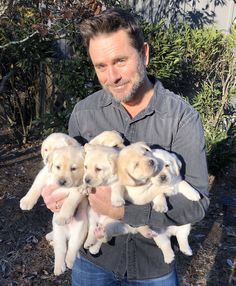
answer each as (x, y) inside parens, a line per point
(50, 162)
(123, 175)
(113, 157)
(87, 147)
(144, 145)
(176, 164)
(70, 141)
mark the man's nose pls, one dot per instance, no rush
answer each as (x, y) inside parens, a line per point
(113, 74)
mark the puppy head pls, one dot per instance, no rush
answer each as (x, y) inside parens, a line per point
(54, 141)
(136, 164)
(66, 164)
(100, 165)
(108, 138)
(170, 169)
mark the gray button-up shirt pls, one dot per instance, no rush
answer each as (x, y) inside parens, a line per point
(168, 122)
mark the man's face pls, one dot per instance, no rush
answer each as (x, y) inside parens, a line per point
(120, 68)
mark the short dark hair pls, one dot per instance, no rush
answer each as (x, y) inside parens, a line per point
(110, 21)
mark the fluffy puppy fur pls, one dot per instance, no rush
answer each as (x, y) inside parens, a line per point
(63, 157)
(100, 169)
(104, 172)
(66, 167)
(52, 142)
(108, 138)
(167, 181)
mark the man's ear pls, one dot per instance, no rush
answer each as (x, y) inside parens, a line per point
(146, 53)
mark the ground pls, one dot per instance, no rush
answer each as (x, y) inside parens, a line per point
(26, 258)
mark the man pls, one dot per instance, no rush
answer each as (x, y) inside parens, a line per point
(140, 109)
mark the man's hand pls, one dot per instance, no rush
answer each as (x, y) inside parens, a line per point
(54, 197)
(100, 202)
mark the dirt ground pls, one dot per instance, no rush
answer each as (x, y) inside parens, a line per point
(27, 259)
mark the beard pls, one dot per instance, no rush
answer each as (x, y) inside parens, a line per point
(133, 94)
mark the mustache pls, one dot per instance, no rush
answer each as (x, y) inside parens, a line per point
(120, 83)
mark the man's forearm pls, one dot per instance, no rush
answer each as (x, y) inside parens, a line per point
(181, 211)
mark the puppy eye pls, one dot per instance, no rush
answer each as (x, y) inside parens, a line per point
(45, 149)
(97, 169)
(73, 169)
(58, 167)
(167, 165)
(85, 167)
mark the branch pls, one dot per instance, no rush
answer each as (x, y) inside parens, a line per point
(19, 42)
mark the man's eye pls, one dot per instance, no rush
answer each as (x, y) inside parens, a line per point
(100, 67)
(121, 61)
(97, 169)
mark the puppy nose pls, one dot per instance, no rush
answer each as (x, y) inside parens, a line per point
(163, 177)
(87, 180)
(62, 182)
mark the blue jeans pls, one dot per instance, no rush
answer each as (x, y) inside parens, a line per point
(85, 273)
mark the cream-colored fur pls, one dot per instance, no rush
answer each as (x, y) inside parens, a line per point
(52, 142)
(108, 138)
(100, 170)
(70, 224)
(64, 166)
(167, 181)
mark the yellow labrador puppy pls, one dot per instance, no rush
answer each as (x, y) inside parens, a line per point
(167, 181)
(108, 138)
(70, 224)
(101, 170)
(52, 142)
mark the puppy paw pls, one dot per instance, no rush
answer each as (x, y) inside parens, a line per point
(70, 262)
(162, 208)
(85, 190)
(168, 258)
(94, 249)
(59, 269)
(100, 232)
(26, 203)
(187, 251)
(118, 202)
(194, 196)
(49, 238)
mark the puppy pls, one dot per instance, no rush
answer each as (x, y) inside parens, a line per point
(52, 142)
(108, 138)
(101, 170)
(141, 190)
(63, 157)
(66, 167)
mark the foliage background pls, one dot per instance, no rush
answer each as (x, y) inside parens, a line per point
(44, 70)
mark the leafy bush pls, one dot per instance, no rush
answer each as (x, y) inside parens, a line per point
(200, 64)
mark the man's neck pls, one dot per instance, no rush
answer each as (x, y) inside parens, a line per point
(141, 101)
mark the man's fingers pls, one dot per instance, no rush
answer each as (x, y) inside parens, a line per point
(59, 194)
(47, 191)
